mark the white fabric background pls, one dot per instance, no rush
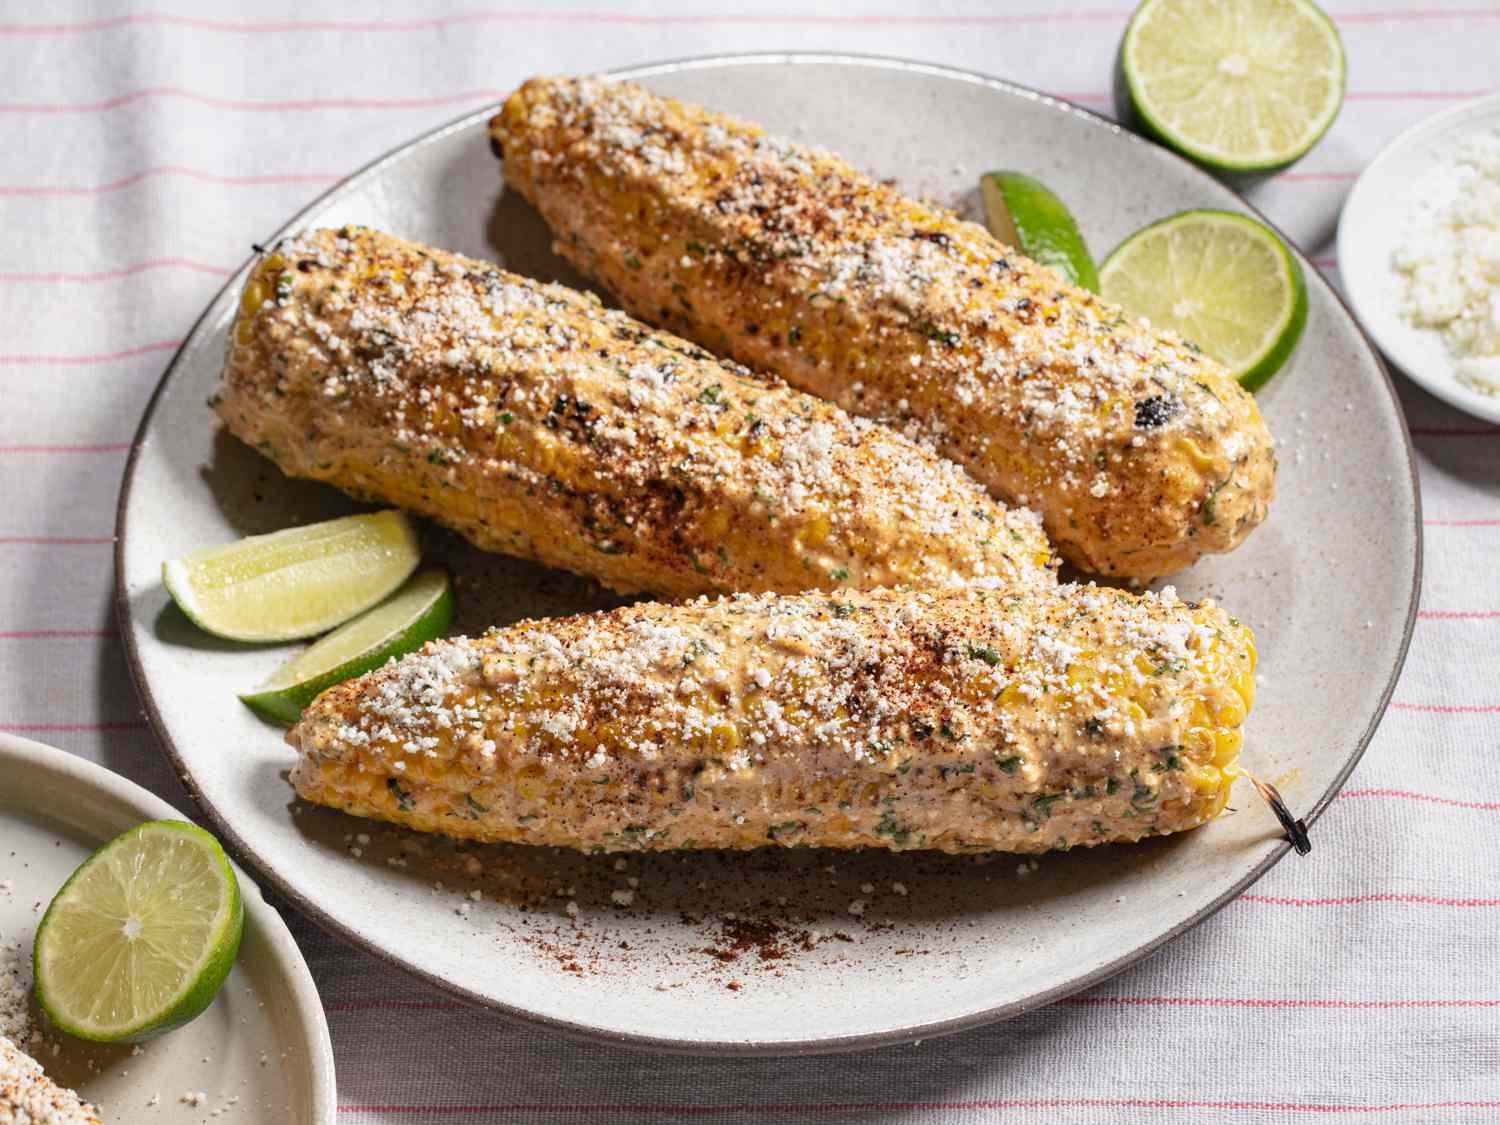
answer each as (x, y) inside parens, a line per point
(140, 154)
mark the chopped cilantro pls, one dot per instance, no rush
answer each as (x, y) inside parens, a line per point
(889, 827)
(985, 653)
(404, 801)
(1213, 499)
(1008, 765)
(1043, 804)
(1169, 759)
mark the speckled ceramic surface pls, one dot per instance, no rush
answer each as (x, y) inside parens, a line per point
(260, 1053)
(1377, 218)
(759, 952)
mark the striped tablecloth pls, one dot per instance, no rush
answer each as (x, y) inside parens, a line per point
(145, 149)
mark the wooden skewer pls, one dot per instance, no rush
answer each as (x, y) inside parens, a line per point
(1296, 829)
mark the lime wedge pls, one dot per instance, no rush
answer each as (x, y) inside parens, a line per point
(1236, 85)
(1021, 212)
(141, 936)
(404, 622)
(294, 583)
(1221, 281)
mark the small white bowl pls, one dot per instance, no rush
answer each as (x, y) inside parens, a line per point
(1374, 222)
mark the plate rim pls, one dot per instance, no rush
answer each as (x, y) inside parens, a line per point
(643, 1041)
(1484, 407)
(272, 927)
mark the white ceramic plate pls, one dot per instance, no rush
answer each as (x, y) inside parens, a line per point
(263, 1041)
(1374, 222)
(1332, 605)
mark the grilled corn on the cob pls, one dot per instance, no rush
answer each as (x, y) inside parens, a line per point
(534, 422)
(954, 720)
(1139, 452)
(29, 1097)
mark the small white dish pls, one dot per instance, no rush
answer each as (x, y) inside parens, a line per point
(262, 1043)
(1373, 224)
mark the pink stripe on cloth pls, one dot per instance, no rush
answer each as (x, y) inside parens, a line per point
(1414, 95)
(604, 1109)
(116, 274)
(1408, 795)
(1462, 523)
(1447, 708)
(1359, 900)
(283, 106)
(1458, 614)
(1456, 431)
(54, 728)
(89, 360)
(170, 170)
(1316, 177)
(519, 15)
(106, 447)
(53, 634)
(538, 15)
(54, 540)
(394, 1006)
(1256, 1002)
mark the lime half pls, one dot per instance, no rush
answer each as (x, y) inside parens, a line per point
(141, 936)
(405, 621)
(1236, 85)
(1220, 280)
(1022, 212)
(294, 583)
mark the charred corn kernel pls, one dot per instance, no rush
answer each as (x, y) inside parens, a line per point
(28, 1095)
(955, 720)
(534, 422)
(1140, 453)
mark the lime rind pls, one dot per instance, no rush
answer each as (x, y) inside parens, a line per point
(1022, 212)
(200, 980)
(1282, 331)
(1133, 104)
(294, 583)
(419, 612)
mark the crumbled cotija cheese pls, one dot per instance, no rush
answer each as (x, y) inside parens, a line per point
(1450, 262)
(15, 991)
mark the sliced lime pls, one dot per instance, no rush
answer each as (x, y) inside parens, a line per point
(294, 583)
(404, 622)
(1237, 85)
(1022, 212)
(141, 936)
(1218, 279)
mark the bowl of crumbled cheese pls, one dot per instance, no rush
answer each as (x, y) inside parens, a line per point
(1419, 253)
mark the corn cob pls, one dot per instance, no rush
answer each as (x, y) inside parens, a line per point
(536, 423)
(1139, 452)
(29, 1097)
(953, 720)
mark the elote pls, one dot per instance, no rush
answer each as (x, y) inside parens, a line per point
(953, 720)
(534, 422)
(29, 1097)
(1139, 452)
